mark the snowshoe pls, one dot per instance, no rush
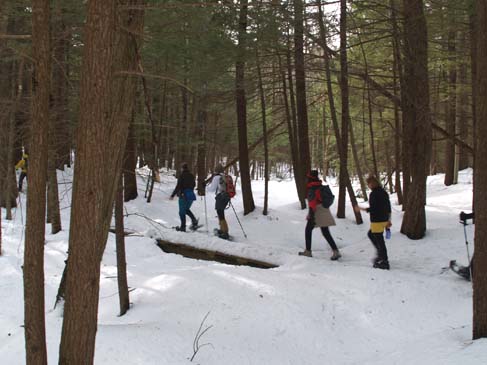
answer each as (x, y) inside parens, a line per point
(195, 226)
(180, 229)
(463, 271)
(223, 235)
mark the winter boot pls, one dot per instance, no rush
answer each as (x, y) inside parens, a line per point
(382, 264)
(336, 255)
(194, 225)
(181, 229)
(224, 235)
(306, 253)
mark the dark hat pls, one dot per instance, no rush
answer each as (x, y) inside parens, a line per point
(313, 174)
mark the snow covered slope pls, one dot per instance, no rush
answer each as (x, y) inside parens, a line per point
(306, 311)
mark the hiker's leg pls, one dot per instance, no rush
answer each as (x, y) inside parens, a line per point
(189, 212)
(381, 246)
(326, 233)
(182, 212)
(222, 221)
(23, 175)
(308, 231)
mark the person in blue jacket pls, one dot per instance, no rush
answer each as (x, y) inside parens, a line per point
(185, 191)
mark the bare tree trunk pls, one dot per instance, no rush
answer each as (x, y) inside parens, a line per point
(397, 138)
(106, 105)
(301, 102)
(463, 101)
(53, 210)
(202, 121)
(60, 87)
(404, 153)
(34, 316)
(334, 118)
(360, 175)
(452, 105)
(345, 109)
(241, 103)
(480, 192)
(419, 119)
(11, 190)
(123, 290)
(130, 165)
(292, 131)
(264, 131)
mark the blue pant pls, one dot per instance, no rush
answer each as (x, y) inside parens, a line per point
(184, 209)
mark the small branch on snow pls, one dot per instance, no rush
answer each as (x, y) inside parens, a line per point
(199, 334)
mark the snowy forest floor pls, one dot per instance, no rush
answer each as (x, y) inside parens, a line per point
(306, 311)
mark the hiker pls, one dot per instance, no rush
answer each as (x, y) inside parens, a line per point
(318, 215)
(185, 191)
(380, 219)
(222, 198)
(22, 165)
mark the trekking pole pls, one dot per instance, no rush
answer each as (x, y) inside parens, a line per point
(238, 220)
(468, 251)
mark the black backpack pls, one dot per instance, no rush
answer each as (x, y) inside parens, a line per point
(327, 197)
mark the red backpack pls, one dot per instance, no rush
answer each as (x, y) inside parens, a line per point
(230, 186)
(227, 185)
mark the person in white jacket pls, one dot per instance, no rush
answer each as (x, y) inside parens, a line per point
(218, 186)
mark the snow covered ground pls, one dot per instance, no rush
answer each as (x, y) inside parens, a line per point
(306, 311)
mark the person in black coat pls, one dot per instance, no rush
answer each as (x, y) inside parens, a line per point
(380, 219)
(185, 191)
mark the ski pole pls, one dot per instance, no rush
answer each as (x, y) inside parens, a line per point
(238, 220)
(468, 251)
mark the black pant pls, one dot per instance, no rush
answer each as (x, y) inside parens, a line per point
(379, 243)
(221, 214)
(308, 231)
(22, 176)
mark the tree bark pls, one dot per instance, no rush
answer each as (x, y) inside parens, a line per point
(480, 192)
(452, 105)
(241, 104)
(106, 106)
(292, 142)
(264, 132)
(301, 101)
(345, 109)
(123, 290)
(129, 166)
(416, 97)
(34, 312)
(463, 101)
(202, 120)
(334, 118)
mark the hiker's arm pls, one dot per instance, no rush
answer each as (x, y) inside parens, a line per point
(214, 184)
(20, 164)
(177, 188)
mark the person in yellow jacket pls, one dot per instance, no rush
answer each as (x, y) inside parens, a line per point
(22, 165)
